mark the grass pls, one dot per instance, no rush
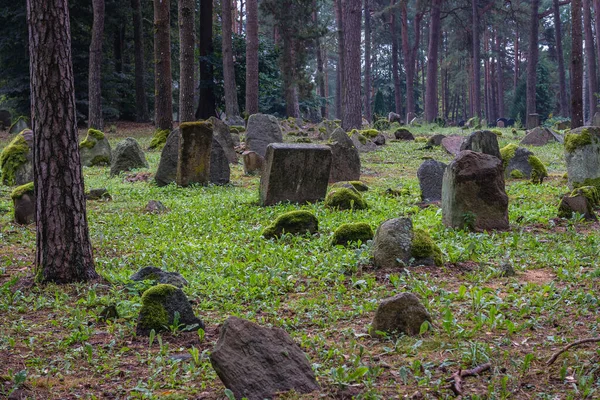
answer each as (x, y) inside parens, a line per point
(52, 344)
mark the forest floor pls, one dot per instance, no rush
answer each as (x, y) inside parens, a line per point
(54, 346)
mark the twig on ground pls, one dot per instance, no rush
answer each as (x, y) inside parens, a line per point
(577, 343)
(456, 380)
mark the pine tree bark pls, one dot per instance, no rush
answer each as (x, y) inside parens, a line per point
(409, 53)
(292, 107)
(206, 107)
(368, 112)
(596, 4)
(500, 76)
(395, 61)
(576, 65)
(590, 57)
(431, 98)
(476, 61)
(232, 108)
(252, 57)
(341, 68)
(562, 76)
(95, 119)
(532, 61)
(163, 102)
(187, 43)
(63, 247)
(141, 103)
(352, 112)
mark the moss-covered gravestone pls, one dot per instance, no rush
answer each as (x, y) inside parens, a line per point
(127, 155)
(294, 222)
(582, 201)
(541, 136)
(582, 154)
(23, 198)
(158, 275)
(195, 145)
(401, 314)
(345, 199)
(431, 176)
(159, 138)
(16, 160)
(519, 163)
(346, 234)
(95, 149)
(163, 307)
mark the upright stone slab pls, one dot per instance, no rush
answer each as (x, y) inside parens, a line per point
(485, 142)
(195, 144)
(500, 124)
(127, 155)
(253, 163)
(219, 164)
(452, 144)
(345, 158)
(222, 134)
(473, 194)
(262, 130)
(259, 363)
(16, 160)
(167, 167)
(24, 204)
(298, 173)
(431, 176)
(393, 117)
(596, 119)
(533, 121)
(582, 154)
(95, 149)
(541, 136)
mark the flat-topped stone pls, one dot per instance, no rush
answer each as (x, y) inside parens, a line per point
(195, 145)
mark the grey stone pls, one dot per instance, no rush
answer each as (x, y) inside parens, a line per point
(234, 120)
(452, 144)
(541, 136)
(362, 143)
(379, 140)
(167, 167)
(253, 163)
(262, 130)
(345, 164)
(298, 173)
(519, 162)
(219, 164)
(328, 128)
(99, 154)
(222, 135)
(127, 155)
(98, 194)
(393, 117)
(579, 204)
(159, 276)
(18, 126)
(24, 172)
(259, 363)
(403, 134)
(583, 164)
(435, 140)
(473, 193)
(25, 208)
(500, 124)
(195, 144)
(401, 314)
(156, 207)
(5, 119)
(485, 142)
(392, 243)
(431, 176)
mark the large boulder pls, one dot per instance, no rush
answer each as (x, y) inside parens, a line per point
(16, 160)
(403, 134)
(95, 149)
(576, 203)
(345, 164)
(485, 142)
(262, 130)
(260, 363)
(400, 314)
(582, 154)
(473, 193)
(127, 155)
(541, 136)
(431, 176)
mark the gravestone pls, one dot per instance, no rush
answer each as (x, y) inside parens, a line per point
(159, 276)
(393, 117)
(510, 123)
(253, 163)
(435, 140)
(483, 142)
(582, 154)
(220, 172)
(262, 130)
(5, 119)
(345, 164)
(400, 314)
(362, 143)
(541, 136)
(298, 173)
(462, 123)
(195, 145)
(403, 134)
(533, 121)
(578, 203)
(431, 176)
(596, 119)
(260, 363)
(24, 204)
(18, 126)
(95, 149)
(473, 193)
(127, 155)
(519, 162)
(452, 144)
(222, 134)
(17, 160)
(500, 124)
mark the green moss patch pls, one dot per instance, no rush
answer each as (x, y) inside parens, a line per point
(153, 314)
(19, 191)
(497, 132)
(159, 138)
(538, 169)
(508, 153)
(369, 133)
(591, 193)
(516, 174)
(12, 157)
(574, 141)
(424, 247)
(345, 199)
(237, 129)
(93, 136)
(352, 233)
(293, 222)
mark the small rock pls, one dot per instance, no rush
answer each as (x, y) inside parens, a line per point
(127, 155)
(98, 194)
(109, 312)
(294, 222)
(156, 207)
(401, 314)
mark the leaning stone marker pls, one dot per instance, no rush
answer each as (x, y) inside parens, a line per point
(24, 203)
(220, 172)
(258, 363)
(253, 163)
(298, 173)
(95, 149)
(16, 160)
(431, 176)
(485, 142)
(262, 130)
(18, 126)
(128, 155)
(452, 144)
(195, 144)
(582, 153)
(541, 136)
(222, 134)
(401, 314)
(473, 194)
(345, 158)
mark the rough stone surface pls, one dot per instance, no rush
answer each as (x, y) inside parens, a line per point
(519, 162)
(127, 155)
(262, 130)
(452, 144)
(25, 209)
(392, 243)
(401, 314)
(167, 167)
(365, 147)
(298, 173)
(156, 207)
(222, 135)
(18, 126)
(159, 276)
(393, 117)
(297, 222)
(485, 142)
(473, 192)
(253, 163)
(195, 145)
(98, 194)
(576, 204)
(583, 164)
(99, 154)
(24, 173)
(345, 164)
(379, 140)
(501, 124)
(258, 363)
(541, 136)
(403, 134)
(435, 140)
(596, 119)
(431, 176)
(220, 171)
(5, 119)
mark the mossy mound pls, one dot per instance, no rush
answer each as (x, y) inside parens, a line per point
(423, 247)
(538, 169)
(357, 185)
(591, 193)
(293, 222)
(19, 191)
(496, 132)
(516, 174)
(352, 233)
(382, 124)
(421, 139)
(159, 139)
(369, 133)
(507, 153)
(12, 157)
(93, 136)
(574, 141)
(345, 199)
(237, 129)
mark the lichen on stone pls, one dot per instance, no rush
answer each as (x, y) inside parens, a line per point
(100, 160)
(424, 247)
(293, 222)
(588, 182)
(19, 191)
(538, 169)
(574, 141)
(19, 119)
(591, 193)
(93, 136)
(497, 132)
(159, 138)
(516, 174)
(205, 124)
(369, 133)
(12, 157)
(352, 233)
(507, 153)
(153, 313)
(237, 129)
(345, 199)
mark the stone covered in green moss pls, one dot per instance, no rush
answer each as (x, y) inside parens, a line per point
(352, 233)
(345, 199)
(356, 185)
(516, 174)
(159, 138)
(582, 156)
(538, 169)
(576, 140)
(294, 222)
(19, 125)
(237, 129)
(424, 250)
(497, 132)
(164, 306)
(14, 157)
(369, 133)
(507, 153)
(95, 149)
(19, 191)
(591, 193)
(519, 163)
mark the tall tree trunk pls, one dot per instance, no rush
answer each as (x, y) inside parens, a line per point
(292, 108)
(63, 247)
(500, 76)
(576, 65)
(596, 4)
(95, 68)
(163, 103)
(232, 108)
(206, 107)
(252, 57)
(395, 61)
(141, 103)
(368, 113)
(590, 56)
(532, 61)
(187, 39)
(118, 44)
(340, 34)
(476, 61)
(517, 60)
(409, 53)
(352, 112)
(562, 78)
(431, 99)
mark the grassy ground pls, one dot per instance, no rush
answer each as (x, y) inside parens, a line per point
(52, 344)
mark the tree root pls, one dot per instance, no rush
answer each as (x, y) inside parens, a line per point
(564, 349)
(456, 380)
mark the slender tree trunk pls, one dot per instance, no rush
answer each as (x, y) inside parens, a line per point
(231, 103)
(187, 47)
(409, 54)
(206, 107)
(292, 108)
(368, 113)
(63, 247)
(517, 61)
(340, 84)
(562, 78)
(95, 68)
(596, 4)
(141, 103)
(118, 44)
(395, 61)
(252, 57)
(163, 103)
(532, 60)
(500, 78)
(352, 112)
(326, 81)
(476, 61)
(590, 56)
(431, 99)
(576, 65)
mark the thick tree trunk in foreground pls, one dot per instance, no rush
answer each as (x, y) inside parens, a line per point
(368, 113)
(395, 62)
(590, 58)
(187, 43)
(206, 107)
(562, 75)
(141, 103)
(95, 68)
(252, 57)
(352, 112)
(63, 248)
(576, 65)
(532, 60)
(163, 102)
(431, 99)
(232, 108)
